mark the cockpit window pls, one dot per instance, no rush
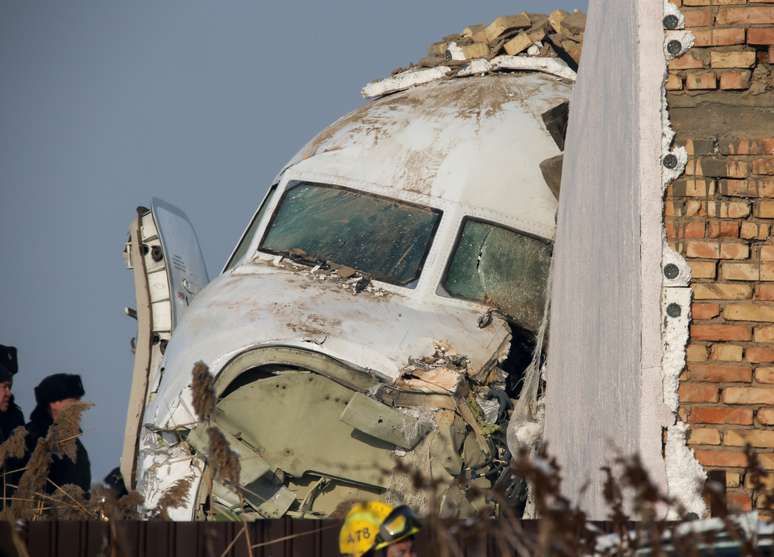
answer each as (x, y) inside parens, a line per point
(503, 268)
(384, 238)
(247, 237)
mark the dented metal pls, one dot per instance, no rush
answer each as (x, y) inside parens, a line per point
(334, 378)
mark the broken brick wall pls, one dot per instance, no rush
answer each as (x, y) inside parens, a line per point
(720, 216)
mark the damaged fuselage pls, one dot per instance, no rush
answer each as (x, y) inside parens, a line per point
(374, 319)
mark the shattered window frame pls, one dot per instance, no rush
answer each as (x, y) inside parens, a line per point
(252, 229)
(414, 281)
(443, 289)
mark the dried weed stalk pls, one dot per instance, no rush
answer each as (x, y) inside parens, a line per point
(203, 391)
(174, 497)
(15, 446)
(225, 462)
(32, 481)
(64, 432)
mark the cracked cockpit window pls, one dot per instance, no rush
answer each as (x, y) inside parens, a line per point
(382, 237)
(499, 267)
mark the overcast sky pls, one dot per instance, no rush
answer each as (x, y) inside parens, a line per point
(105, 104)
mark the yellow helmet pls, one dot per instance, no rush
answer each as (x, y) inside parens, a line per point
(358, 533)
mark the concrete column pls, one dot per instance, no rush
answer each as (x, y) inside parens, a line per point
(604, 361)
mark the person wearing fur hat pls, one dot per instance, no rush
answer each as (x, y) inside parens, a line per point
(11, 415)
(54, 394)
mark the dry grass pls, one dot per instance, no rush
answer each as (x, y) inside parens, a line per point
(176, 496)
(15, 446)
(64, 432)
(203, 391)
(225, 462)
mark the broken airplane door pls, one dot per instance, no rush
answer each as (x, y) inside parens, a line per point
(168, 271)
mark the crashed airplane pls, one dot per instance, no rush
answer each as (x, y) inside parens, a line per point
(377, 315)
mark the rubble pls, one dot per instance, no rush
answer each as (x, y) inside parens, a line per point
(347, 277)
(522, 42)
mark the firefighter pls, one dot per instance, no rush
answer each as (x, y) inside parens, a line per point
(396, 534)
(377, 529)
(361, 525)
(54, 394)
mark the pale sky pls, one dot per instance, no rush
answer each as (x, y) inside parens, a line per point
(105, 104)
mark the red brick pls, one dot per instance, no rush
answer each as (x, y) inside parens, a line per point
(764, 334)
(727, 37)
(763, 166)
(720, 332)
(701, 17)
(723, 229)
(704, 436)
(740, 271)
(726, 352)
(745, 15)
(765, 187)
(721, 291)
(767, 271)
(696, 353)
(766, 460)
(698, 392)
(748, 395)
(761, 36)
(759, 354)
(705, 311)
(765, 416)
(767, 253)
(731, 459)
(765, 209)
(703, 269)
(739, 501)
(735, 80)
(732, 59)
(684, 230)
(764, 292)
(734, 251)
(687, 61)
(701, 81)
(754, 231)
(702, 249)
(674, 82)
(747, 146)
(740, 188)
(764, 375)
(719, 373)
(720, 415)
(755, 437)
(750, 311)
(728, 209)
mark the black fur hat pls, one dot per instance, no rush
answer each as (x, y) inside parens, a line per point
(59, 386)
(9, 364)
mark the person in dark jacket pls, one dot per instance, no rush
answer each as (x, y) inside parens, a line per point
(11, 415)
(54, 394)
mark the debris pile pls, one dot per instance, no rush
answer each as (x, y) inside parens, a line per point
(323, 271)
(522, 42)
(557, 35)
(442, 371)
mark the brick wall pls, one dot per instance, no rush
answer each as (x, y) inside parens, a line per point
(720, 216)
